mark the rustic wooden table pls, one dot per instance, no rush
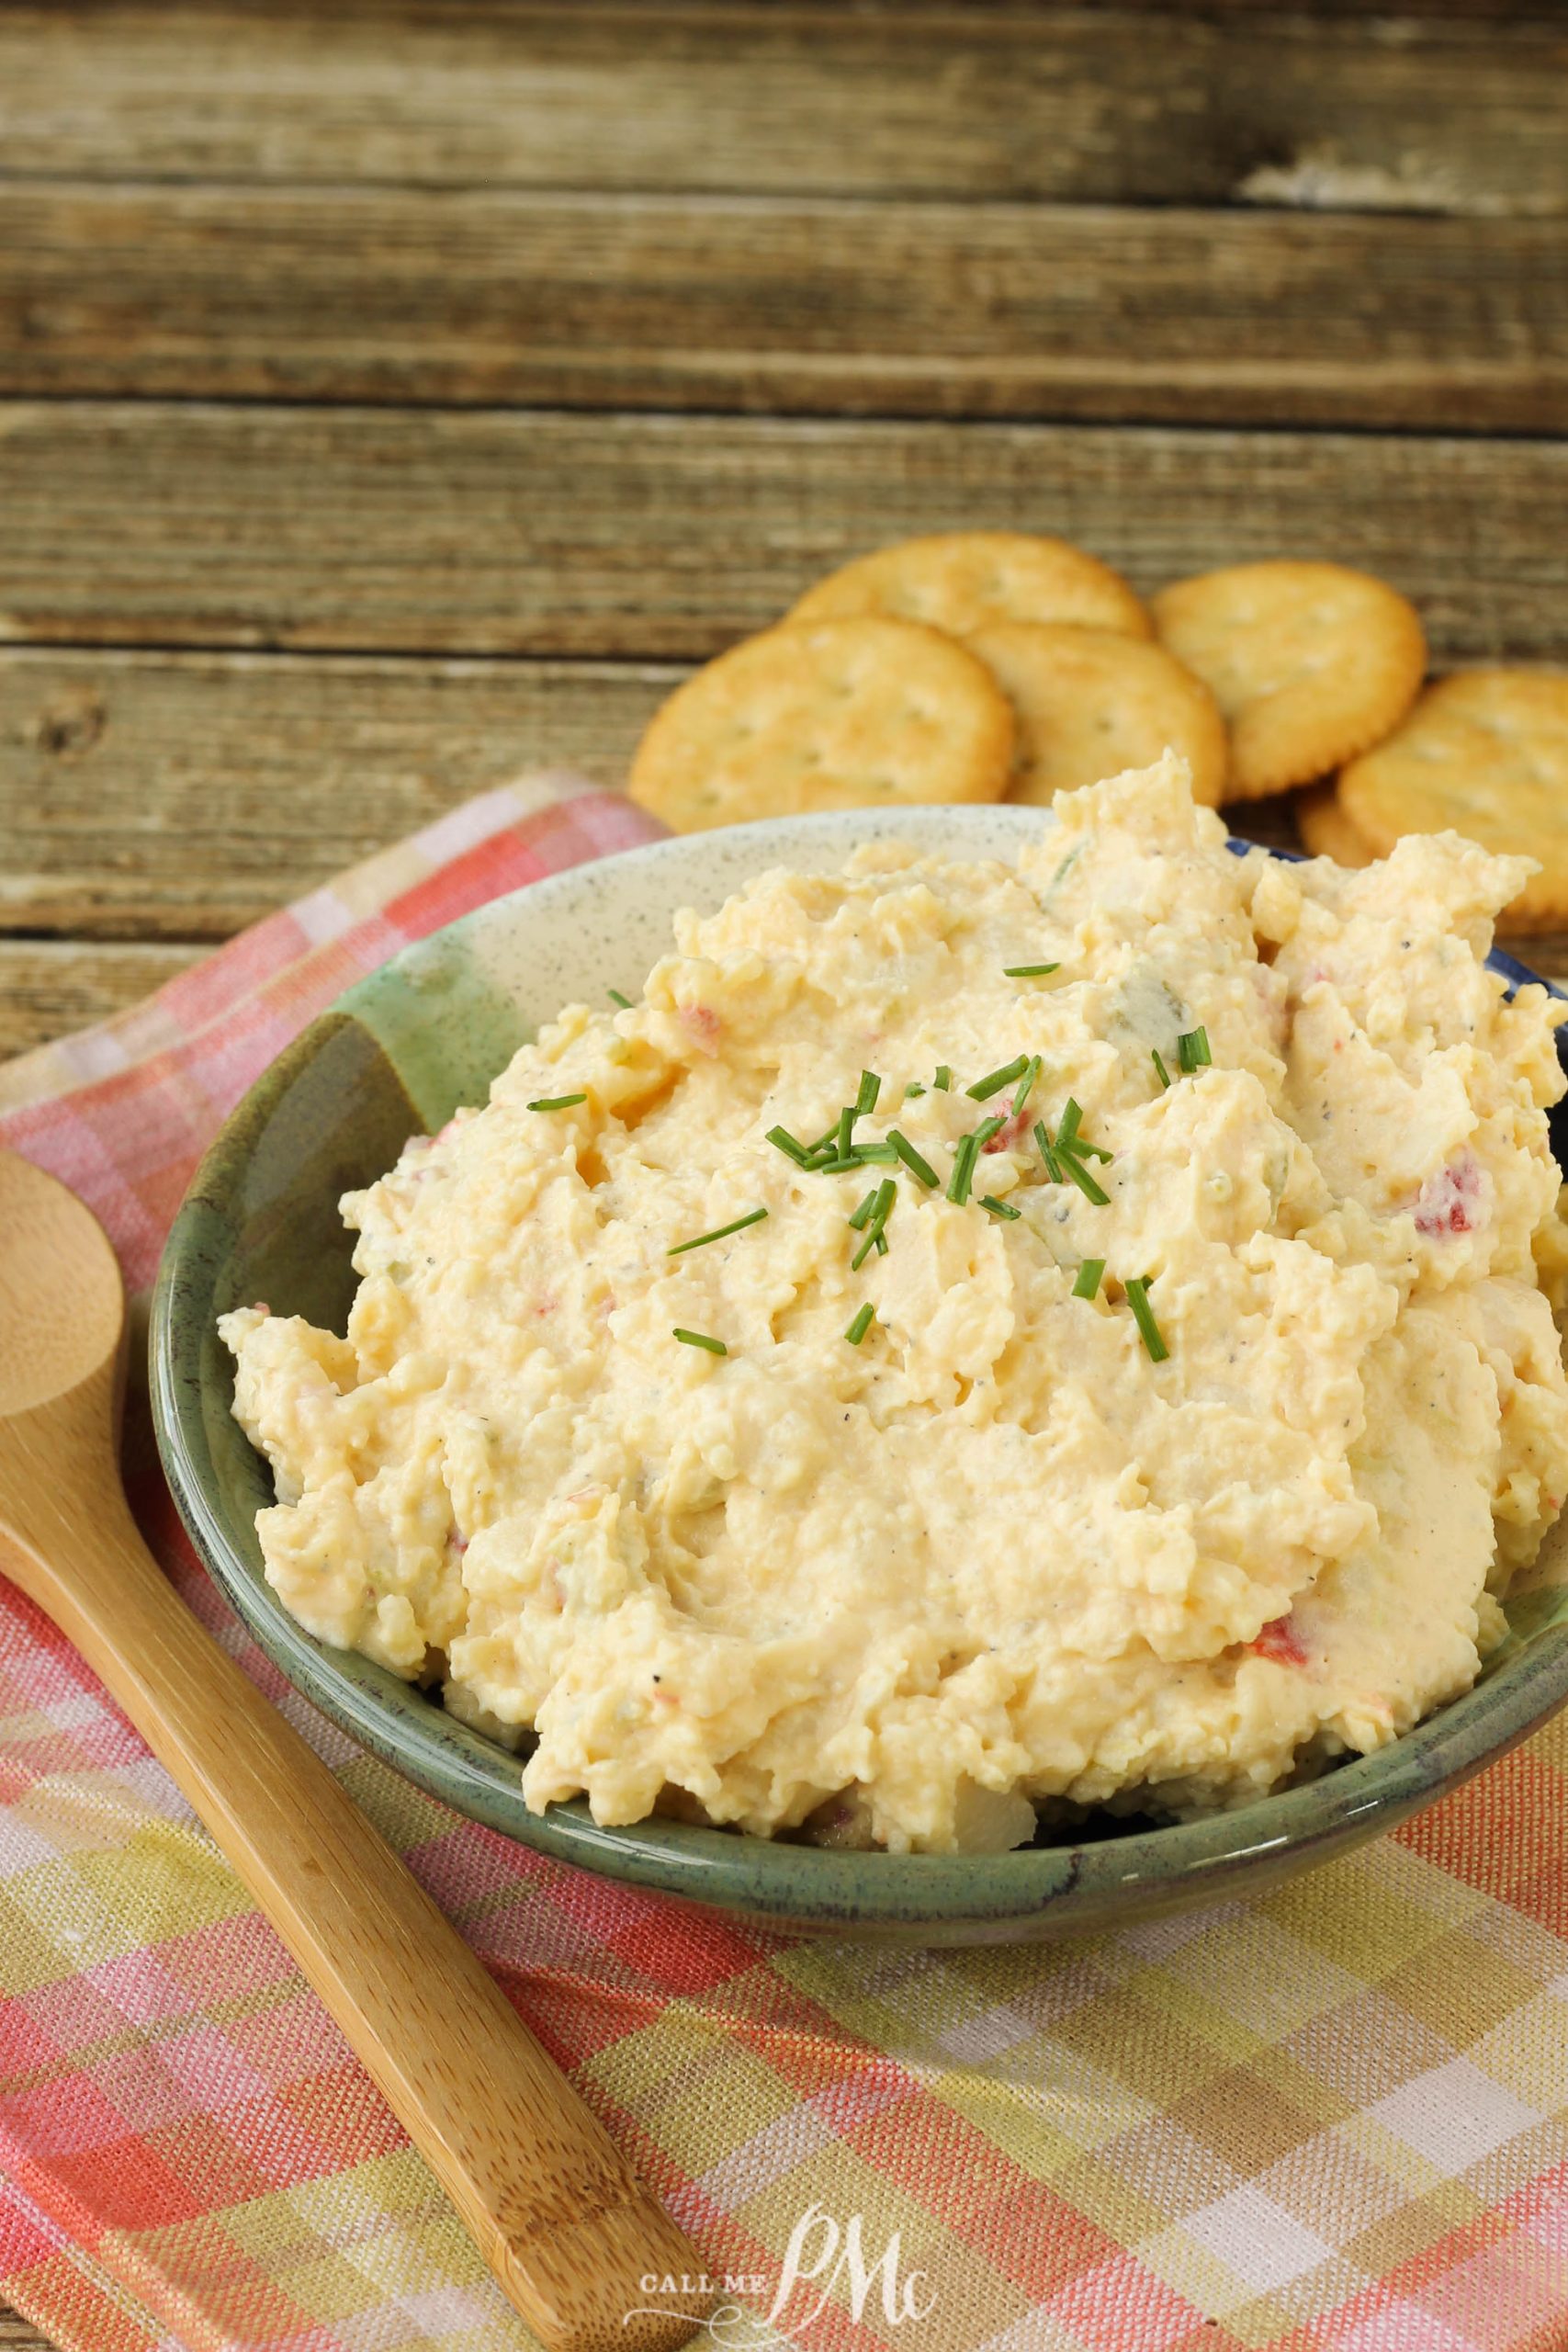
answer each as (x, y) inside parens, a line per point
(398, 395)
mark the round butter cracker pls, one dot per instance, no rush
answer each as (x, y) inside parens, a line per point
(1312, 663)
(964, 581)
(859, 712)
(1483, 753)
(1328, 832)
(1090, 705)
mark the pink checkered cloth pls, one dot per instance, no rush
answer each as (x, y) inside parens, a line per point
(1331, 2120)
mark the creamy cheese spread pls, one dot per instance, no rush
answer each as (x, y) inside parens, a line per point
(1204, 1408)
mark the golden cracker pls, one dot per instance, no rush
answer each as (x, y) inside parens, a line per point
(1089, 705)
(964, 581)
(1312, 663)
(1486, 755)
(1328, 832)
(859, 712)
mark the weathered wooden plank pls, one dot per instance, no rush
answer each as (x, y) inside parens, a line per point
(19, 2334)
(1111, 105)
(826, 306)
(48, 986)
(485, 532)
(175, 796)
(154, 803)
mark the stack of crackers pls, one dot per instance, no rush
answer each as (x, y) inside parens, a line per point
(990, 665)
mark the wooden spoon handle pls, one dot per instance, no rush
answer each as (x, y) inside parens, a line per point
(552, 2204)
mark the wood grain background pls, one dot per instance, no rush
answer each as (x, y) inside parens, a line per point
(396, 396)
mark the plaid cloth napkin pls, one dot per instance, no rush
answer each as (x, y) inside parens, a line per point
(1335, 2117)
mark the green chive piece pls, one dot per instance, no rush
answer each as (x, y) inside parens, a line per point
(1067, 1125)
(557, 1102)
(844, 1134)
(999, 1208)
(1137, 1291)
(984, 1088)
(862, 1324)
(865, 1210)
(1160, 1070)
(987, 1129)
(1027, 971)
(1091, 1273)
(1077, 1173)
(827, 1141)
(1026, 1086)
(906, 1151)
(944, 1080)
(624, 1002)
(886, 1193)
(1192, 1049)
(1047, 1151)
(913, 1089)
(783, 1141)
(876, 1154)
(699, 1339)
(719, 1233)
(962, 1174)
(870, 1088)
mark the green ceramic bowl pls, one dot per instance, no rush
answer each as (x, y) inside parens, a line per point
(399, 1052)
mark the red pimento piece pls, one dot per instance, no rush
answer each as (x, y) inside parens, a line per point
(1450, 1201)
(1013, 1133)
(1280, 1640)
(703, 1024)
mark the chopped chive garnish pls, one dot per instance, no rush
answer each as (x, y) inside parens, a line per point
(862, 1324)
(1064, 1154)
(943, 1079)
(963, 1159)
(1069, 1139)
(1192, 1049)
(987, 1130)
(699, 1339)
(1047, 1151)
(1137, 1291)
(997, 1208)
(913, 1089)
(719, 1233)
(870, 1088)
(624, 1002)
(886, 1193)
(556, 1102)
(827, 1141)
(1091, 1274)
(1077, 1173)
(911, 1158)
(864, 1209)
(845, 1133)
(880, 1154)
(984, 1088)
(783, 1139)
(1027, 971)
(1160, 1070)
(1026, 1085)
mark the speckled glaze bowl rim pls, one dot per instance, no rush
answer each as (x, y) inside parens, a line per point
(1109, 1881)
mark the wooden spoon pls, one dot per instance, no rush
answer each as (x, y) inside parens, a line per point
(554, 2207)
